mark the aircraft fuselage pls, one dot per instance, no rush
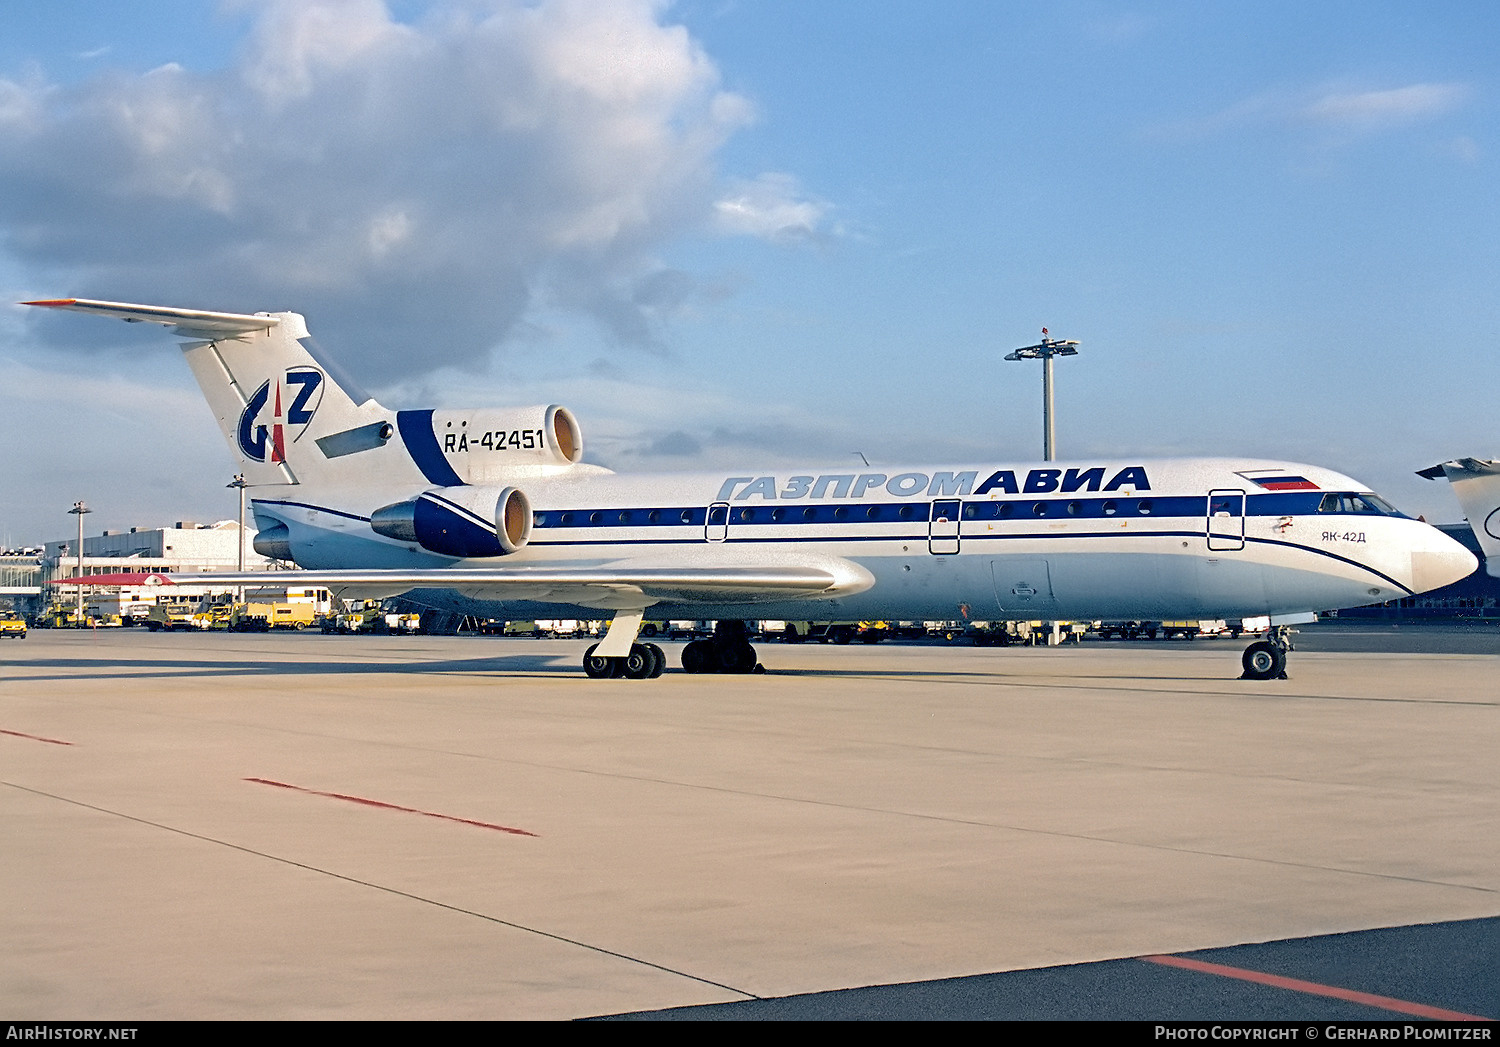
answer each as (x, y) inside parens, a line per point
(1210, 538)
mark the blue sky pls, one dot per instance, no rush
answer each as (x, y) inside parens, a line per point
(728, 233)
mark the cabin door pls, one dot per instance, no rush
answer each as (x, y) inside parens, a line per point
(1226, 520)
(716, 522)
(942, 527)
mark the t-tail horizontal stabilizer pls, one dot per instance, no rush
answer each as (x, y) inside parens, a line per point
(283, 412)
(1476, 484)
(191, 323)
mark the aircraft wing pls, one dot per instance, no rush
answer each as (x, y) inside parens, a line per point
(188, 321)
(614, 588)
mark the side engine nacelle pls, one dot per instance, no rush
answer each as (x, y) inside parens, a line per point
(273, 540)
(459, 521)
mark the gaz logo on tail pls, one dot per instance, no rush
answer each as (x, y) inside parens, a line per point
(278, 413)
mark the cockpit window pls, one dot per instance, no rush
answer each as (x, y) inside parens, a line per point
(1368, 504)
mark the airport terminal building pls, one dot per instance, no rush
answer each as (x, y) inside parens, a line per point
(185, 547)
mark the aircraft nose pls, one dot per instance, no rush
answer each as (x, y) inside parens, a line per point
(1440, 561)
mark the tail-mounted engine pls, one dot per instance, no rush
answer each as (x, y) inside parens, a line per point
(484, 446)
(460, 521)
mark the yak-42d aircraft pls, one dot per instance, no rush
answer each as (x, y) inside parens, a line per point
(492, 511)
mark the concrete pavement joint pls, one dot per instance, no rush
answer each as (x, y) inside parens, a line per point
(385, 889)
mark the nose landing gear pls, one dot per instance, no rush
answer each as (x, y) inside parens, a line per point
(1266, 659)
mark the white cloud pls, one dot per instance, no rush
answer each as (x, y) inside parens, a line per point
(389, 230)
(1340, 113)
(419, 188)
(1464, 148)
(1379, 110)
(299, 47)
(771, 207)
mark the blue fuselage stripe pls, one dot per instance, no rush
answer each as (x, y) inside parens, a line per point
(1296, 503)
(685, 525)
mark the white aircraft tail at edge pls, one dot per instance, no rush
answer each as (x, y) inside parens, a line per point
(1476, 485)
(492, 511)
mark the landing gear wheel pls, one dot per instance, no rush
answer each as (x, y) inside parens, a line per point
(637, 664)
(700, 657)
(728, 652)
(658, 661)
(598, 667)
(737, 658)
(1264, 660)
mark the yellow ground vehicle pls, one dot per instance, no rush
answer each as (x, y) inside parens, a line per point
(825, 632)
(215, 616)
(58, 617)
(1191, 630)
(364, 617)
(372, 617)
(1031, 634)
(65, 616)
(12, 626)
(676, 628)
(172, 615)
(262, 617)
(404, 624)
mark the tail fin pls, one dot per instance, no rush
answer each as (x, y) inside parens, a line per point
(1476, 484)
(287, 419)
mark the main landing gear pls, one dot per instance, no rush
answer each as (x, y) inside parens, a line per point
(729, 651)
(1266, 659)
(644, 662)
(618, 655)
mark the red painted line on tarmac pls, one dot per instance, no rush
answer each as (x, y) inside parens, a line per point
(1385, 1003)
(393, 807)
(34, 737)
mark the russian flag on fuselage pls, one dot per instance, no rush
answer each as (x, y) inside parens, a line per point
(1286, 483)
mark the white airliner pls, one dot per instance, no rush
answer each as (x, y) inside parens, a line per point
(493, 511)
(1476, 484)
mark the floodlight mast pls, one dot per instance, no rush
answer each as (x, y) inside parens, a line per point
(239, 482)
(1045, 350)
(78, 510)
